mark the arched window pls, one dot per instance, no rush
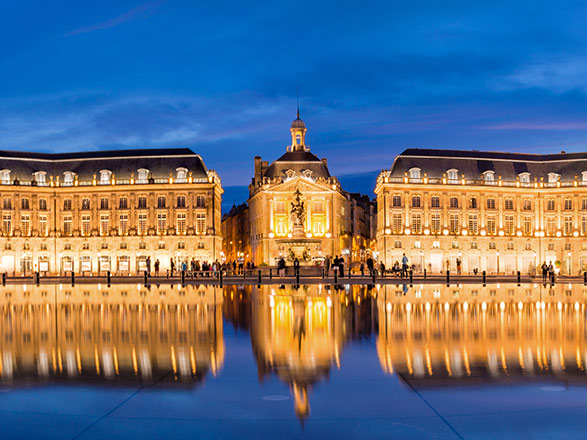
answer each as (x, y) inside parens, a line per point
(40, 178)
(5, 177)
(453, 175)
(524, 177)
(181, 175)
(298, 139)
(68, 178)
(415, 174)
(105, 176)
(489, 177)
(142, 175)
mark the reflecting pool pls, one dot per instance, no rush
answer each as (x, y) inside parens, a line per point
(428, 361)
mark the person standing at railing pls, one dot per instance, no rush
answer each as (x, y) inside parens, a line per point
(370, 266)
(281, 267)
(148, 266)
(157, 264)
(404, 266)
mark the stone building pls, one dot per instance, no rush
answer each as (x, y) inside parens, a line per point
(499, 212)
(296, 208)
(236, 243)
(363, 226)
(108, 210)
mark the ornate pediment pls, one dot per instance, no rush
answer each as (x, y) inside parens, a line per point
(290, 174)
(307, 174)
(301, 184)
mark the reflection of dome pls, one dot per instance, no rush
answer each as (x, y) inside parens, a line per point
(298, 123)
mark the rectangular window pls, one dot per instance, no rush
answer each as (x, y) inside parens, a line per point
(584, 225)
(43, 231)
(181, 201)
(142, 203)
(123, 221)
(527, 205)
(104, 204)
(85, 225)
(491, 225)
(509, 224)
(318, 206)
(200, 223)
(396, 201)
(280, 226)
(43, 204)
(161, 223)
(123, 203)
(161, 202)
(473, 224)
(583, 204)
(416, 223)
(454, 202)
(550, 205)
(435, 223)
(280, 206)
(396, 223)
(416, 202)
(490, 203)
(318, 227)
(200, 201)
(104, 224)
(527, 225)
(67, 222)
(24, 203)
(67, 204)
(454, 226)
(7, 203)
(436, 245)
(25, 225)
(473, 203)
(142, 224)
(435, 202)
(568, 204)
(85, 204)
(550, 226)
(568, 225)
(509, 204)
(181, 223)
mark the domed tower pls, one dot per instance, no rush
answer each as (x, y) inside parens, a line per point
(298, 135)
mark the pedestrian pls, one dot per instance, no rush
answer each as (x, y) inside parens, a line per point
(341, 266)
(370, 265)
(544, 272)
(296, 265)
(171, 266)
(327, 265)
(404, 266)
(281, 267)
(551, 270)
(362, 269)
(149, 266)
(458, 266)
(157, 264)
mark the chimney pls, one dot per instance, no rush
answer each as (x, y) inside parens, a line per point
(258, 168)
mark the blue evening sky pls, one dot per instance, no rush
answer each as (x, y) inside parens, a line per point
(220, 77)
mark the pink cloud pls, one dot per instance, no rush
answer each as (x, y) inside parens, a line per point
(126, 17)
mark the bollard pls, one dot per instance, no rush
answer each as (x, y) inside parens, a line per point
(183, 277)
(38, 276)
(145, 277)
(552, 279)
(373, 275)
(244, 273)
(72, 278)
(585, 278)
(259, 277)
(349, 272)
(484, 277)
(519, 278)
(220, 279)
(335, 276)
(298, 276)
(108, 278)
(411, 277)
(4, 279)
(424, 273)
(324, 273)
(447, 277)
(270, 273)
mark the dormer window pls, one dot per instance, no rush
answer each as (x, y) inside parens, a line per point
(68, 177)
(5, 177)
(105, 176)
(142, 175)
(553, 177)
(181, 175)
(453, 175)
(584, 177)
(40, 178)
(489, 177)
(415, 174)
(524, 177)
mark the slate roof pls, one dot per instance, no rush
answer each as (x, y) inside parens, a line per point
(122, 163)
(298, 161)
(473, 163)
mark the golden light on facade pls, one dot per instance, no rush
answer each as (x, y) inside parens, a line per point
(387, 231)
(271, 235)
(483, 232)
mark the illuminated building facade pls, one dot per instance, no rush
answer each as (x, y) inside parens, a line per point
(110, 210)
(236, 243)
(499, 212)
(296, 208)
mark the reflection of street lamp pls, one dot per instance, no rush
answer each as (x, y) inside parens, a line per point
(497, 262)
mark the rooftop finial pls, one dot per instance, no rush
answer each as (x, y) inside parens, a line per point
(298, 98)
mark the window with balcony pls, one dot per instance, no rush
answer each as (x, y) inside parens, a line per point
(85, 225)
(473, 224)
(123, 222)
(181, 223)
(142, 224)
(509, 224)
(435, 223)
(397, 223)
(200, 223)
(161, 223)
(491, 225)
(67, 223)
(454, 225)
(104, 224)
(25, 225)
(416, 223)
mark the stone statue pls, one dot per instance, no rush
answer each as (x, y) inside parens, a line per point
(297, 213)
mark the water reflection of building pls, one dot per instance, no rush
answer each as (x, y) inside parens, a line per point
(437, 334)
(299, 334)
(116, 334)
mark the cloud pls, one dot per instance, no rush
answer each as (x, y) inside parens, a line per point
(126, 17)
(530, 125)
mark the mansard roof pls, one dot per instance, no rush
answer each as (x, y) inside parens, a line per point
(474, 163)
(160, 162)
(298, 161)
